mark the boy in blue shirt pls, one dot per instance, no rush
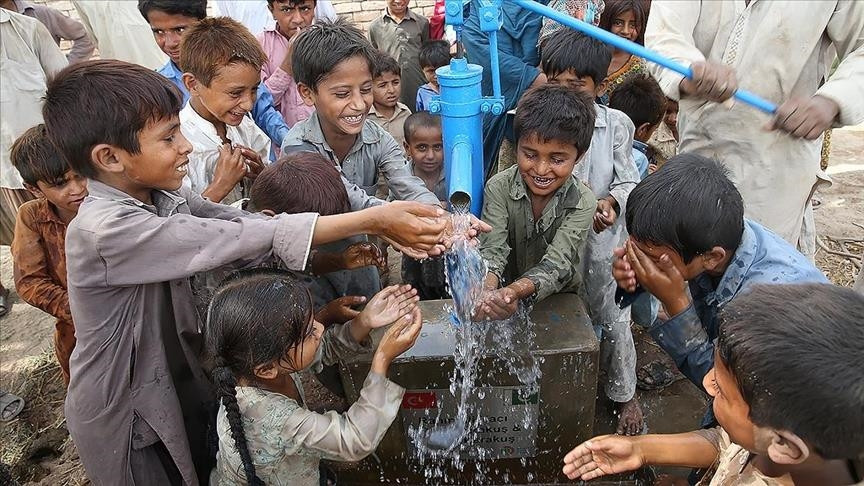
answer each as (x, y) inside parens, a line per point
(433, 54)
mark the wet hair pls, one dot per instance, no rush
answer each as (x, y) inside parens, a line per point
(641, 99)
(37, 159)
(321, 47)
(616, 8)
(216, 42)
(385, 63)
(301, 182)
(796, 354)
(188, 8)
(105, 101)
(553, 112)
(570, 50)
(420, 119)
(242, 334)
(714, 214)
(435, 53)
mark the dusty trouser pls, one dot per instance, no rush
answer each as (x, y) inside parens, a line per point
(618, 359)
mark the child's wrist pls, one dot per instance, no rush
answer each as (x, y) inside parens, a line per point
(380, 363)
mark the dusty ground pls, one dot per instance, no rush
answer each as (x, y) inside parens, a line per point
(37, 448)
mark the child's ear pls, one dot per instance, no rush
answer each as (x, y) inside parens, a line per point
(787, 448)
(34, 190)
(191, 83)
(644, 131)
(268, 212)
(307, 93)
(714, 258)
(266, 371)
(105, 158)
(601, 88)
(406, 147)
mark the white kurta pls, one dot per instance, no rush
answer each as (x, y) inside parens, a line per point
(120, 31)
(779, 49)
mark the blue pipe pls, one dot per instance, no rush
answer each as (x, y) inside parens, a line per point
(635, 49)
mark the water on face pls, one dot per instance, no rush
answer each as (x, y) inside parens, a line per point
(448, 443)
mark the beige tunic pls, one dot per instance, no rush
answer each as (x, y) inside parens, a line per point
(779, 49)
(734, 465)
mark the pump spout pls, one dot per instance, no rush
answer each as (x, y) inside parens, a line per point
(462, 186)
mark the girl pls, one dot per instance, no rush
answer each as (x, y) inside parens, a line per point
(260, 334)
(627, 19)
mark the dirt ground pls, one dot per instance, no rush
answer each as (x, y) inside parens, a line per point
(36, 445)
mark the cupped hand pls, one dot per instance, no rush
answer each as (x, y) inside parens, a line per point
(601, 456)
(389, 305)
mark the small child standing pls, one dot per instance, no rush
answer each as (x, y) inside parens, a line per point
(266, 433)
(574, 60)
(642, 100)
(387, 110)
(38, 250)
(400, 32)
(425, 148)
(539, 211)
(433, 54)
(222, 64)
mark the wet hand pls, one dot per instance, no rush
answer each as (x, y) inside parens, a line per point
(363, 254)
(623, 273)
(497, 304)
(711, 81)
(388, 306)
(413, 228)
(475, 227)
(339, 311)
(605, 215)
(663, 280)
(805, 117)
(398, 339)
(600, 456)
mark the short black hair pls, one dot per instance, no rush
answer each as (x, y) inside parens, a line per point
(37, 159)
(289, 2)
(435, 53)
(796, 353)
(188, 8)
(714, 214)
(300, 182)
(552, 112)
(105, 101)
(323, 46)
(385, 63)
(420, 119)
(640, 98)
(571, 50)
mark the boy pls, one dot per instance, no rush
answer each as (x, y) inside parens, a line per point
(38, 251)
(687, 229)
(425, 148)
(663, 144)
(222, 64)
(138, 402)
(539, 211)
(387, 110)
(433, 55)
(784, 354)
(642, 100)
(574, 60)
(400, 32)
(333, 65)
(291, 17)
(168, 20)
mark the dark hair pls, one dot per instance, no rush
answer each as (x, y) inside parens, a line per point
(435, 53)
(37, 159)
(301, 182)
(640, 98)
(714, 214)
(552, 112)
(323, 46)
(216, 42)
(105, 101)
(242, 334)
(570, 50)
(188, 8)
(796, 354)
(420, 119)
(289, 2)
(385, 63)
(615, 8)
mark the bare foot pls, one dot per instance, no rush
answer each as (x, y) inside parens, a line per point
(630, 418)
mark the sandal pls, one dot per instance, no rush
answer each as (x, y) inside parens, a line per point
(10, 406)
(655, 376)
(4, 301)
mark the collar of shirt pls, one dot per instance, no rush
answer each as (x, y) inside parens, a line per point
(441, 175)
(164, 202)
(601, 113)
(567, 196)
(640, 146)
(170, 71)
(45, 213)
(313, 133)
(5, 16)
(409, 15)
(736, 271)
(189, 116)
(400, 107)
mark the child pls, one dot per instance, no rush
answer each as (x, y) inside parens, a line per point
(425, 149)
(579, 62)
(400, 32)
(333, 65)
(291, 17)
(627, 19)
(784, 353)
(663, 144)
(168, 20)
(433, 55)
(672, 247)
(266, 433)
(222, 62)
(38, 250)
(540, 213)
(642, 100)
(138, 402)
(387, 110)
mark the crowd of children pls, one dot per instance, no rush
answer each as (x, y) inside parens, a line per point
(207, 233)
